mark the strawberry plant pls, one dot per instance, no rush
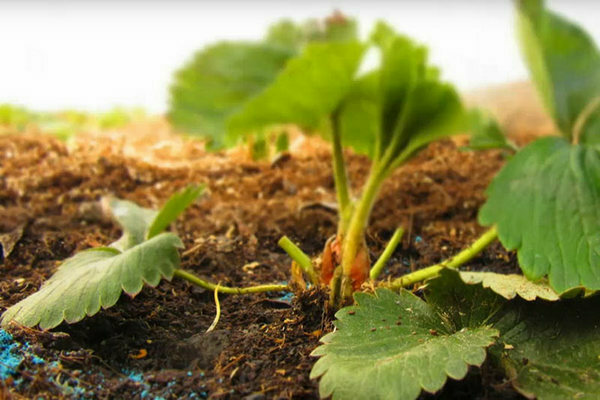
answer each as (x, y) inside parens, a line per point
(543, 204)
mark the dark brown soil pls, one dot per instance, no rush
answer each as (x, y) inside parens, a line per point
(154, 346)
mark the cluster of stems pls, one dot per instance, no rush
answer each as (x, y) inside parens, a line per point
(353, 219)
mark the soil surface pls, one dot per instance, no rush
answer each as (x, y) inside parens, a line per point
(155, 346)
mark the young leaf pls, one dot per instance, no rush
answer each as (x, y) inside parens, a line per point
(175, 205)
(511, 285)
(134, 220)
(564, 64)
(219, 80)
(393, 346)
(546, 204)
(309, 88)
(550, 351)
(486, 133)
(95, 278)
(397, 109)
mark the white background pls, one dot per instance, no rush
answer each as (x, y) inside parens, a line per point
(93, 55)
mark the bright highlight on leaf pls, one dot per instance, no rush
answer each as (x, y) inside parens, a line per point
(392, 346)
(511, 285)
(95, 278)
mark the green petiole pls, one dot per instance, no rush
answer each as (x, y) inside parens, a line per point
(461, 258)
(387, 253)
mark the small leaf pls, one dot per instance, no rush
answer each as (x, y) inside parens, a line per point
(174, 206)
(564, 63)
(309, 88)
(546, 204)
(218, 81)
(134, 220)
(511, 285)
(393, 346)
(551, 351)
(485, 132)
(95, 278)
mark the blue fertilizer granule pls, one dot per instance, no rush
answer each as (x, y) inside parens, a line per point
(10, 355)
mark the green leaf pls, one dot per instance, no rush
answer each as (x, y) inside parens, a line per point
(511, 285)
(174, 206)
(485, 132)
(399, 108)
(94, 279)
(359, 116)
(134, 220)
(462, 305)
(309, 88)
(371, 356)
(546, 204)
(334, 28)
(551, 351)
(218, 81)
(564, 63)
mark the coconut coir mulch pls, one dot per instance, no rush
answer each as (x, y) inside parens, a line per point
(154, 346)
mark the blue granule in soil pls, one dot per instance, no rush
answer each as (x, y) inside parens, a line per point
(10, 355)
(418, 239)
(287, 297)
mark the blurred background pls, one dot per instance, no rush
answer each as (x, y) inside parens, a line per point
(94, 55)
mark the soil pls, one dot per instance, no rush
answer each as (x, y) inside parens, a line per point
(155, 346)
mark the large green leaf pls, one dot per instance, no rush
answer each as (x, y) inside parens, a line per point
(391, 346)
(551, 351)
(219, 80)
(309, 88)
(546, 204)
(95, 278)
(174, 206)
(564, 64)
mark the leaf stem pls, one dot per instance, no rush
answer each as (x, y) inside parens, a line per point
(180, 273)
(584, 117)
(340, 175)
(360, 217)
(300, 257)
(387, 253)
(461, 258)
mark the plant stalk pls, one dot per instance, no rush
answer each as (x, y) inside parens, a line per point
(461, 258)
(387, 253)
(359, 219)
(180, 273)
(300, 257)
(340, 175)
